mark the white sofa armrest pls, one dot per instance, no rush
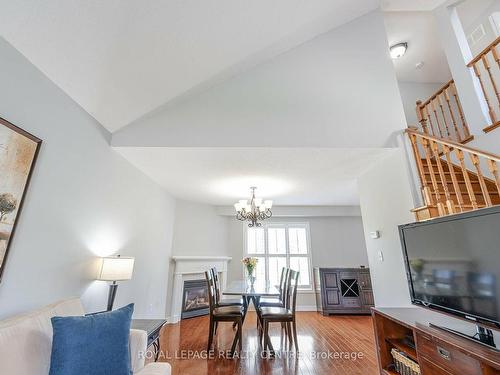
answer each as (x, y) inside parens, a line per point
(138, 346)
(156, 368)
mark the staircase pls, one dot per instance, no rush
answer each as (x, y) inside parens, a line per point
(454, 178)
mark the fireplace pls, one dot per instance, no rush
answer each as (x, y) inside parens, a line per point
(193, 267)
(195, 298)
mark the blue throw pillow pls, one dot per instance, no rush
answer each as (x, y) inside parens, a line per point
(92, 345)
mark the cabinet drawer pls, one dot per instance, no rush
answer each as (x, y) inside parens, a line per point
(429, 368)
(348, 275)
(351, 302)
(446, 357)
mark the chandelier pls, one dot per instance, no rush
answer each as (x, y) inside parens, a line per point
(254, 210)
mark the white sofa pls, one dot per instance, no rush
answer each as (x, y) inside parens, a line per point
(26, 342)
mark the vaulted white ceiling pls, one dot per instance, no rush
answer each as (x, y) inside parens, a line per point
(411, 5)
(419, 30)
(120, 59)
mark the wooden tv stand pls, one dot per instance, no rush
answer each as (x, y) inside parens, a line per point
(437, 352)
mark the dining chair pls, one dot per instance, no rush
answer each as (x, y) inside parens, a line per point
(286, 314)
(274, 301)
(223, 302)
(222, 314)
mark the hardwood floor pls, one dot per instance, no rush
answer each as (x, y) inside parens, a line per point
(324, 343)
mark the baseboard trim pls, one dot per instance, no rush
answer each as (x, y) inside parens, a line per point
(307, 308)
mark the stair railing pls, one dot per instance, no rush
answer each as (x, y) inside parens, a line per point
(487, 63)
(439, 152)
(442, 115)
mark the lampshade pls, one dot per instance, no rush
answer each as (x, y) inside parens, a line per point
(116, 268)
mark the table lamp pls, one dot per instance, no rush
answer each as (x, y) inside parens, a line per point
(115, 269)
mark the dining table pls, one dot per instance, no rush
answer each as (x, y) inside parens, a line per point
(251, 293)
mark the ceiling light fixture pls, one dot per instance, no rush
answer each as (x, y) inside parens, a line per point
(398, 50)
(254, 210)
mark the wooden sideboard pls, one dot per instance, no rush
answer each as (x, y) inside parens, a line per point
(343, 290)
(436, 352)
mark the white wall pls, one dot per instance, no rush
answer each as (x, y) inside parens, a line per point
(458, 54)
(386, 201)
(198, 230)
(482, 10)
(337, 90)
(84, 200)
(413, 91)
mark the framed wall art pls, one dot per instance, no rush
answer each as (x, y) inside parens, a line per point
(18, 153)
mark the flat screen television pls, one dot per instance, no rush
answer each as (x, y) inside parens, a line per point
(453, 264)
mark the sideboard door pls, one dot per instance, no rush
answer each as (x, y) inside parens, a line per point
(331, 292)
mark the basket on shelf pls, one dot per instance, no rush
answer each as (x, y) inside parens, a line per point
(403, 364)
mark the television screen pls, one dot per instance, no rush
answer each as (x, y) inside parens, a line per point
(453, 263)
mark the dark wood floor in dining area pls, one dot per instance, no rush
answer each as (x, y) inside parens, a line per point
(184, 344)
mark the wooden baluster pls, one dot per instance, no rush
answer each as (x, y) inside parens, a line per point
(465, 126)
(437, 118)
(493, 116)
(468, 184)
(486, 194)
(447, 128)
(493, 167)
(452, 116)
(495, 55)
(421, 117)
(424, 187)
(430, 120)
(456, 185)
(450, 205)
(487, 66)
(428, 153)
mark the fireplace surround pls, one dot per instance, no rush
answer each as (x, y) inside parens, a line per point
(193, 268)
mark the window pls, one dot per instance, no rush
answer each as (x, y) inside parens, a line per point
(281, 245)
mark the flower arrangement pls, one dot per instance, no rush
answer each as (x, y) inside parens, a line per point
(250, 263)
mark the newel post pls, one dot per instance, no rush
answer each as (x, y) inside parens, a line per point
(422, 119)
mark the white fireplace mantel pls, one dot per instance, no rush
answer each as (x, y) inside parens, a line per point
(193, 268)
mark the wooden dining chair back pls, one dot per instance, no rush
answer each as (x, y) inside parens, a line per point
(284, 275)
(278, 301)
(222, 314)
(218, 300)
(292, 291)
(215, 277)
(212, 292)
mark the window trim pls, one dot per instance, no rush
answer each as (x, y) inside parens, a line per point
(283, 224)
